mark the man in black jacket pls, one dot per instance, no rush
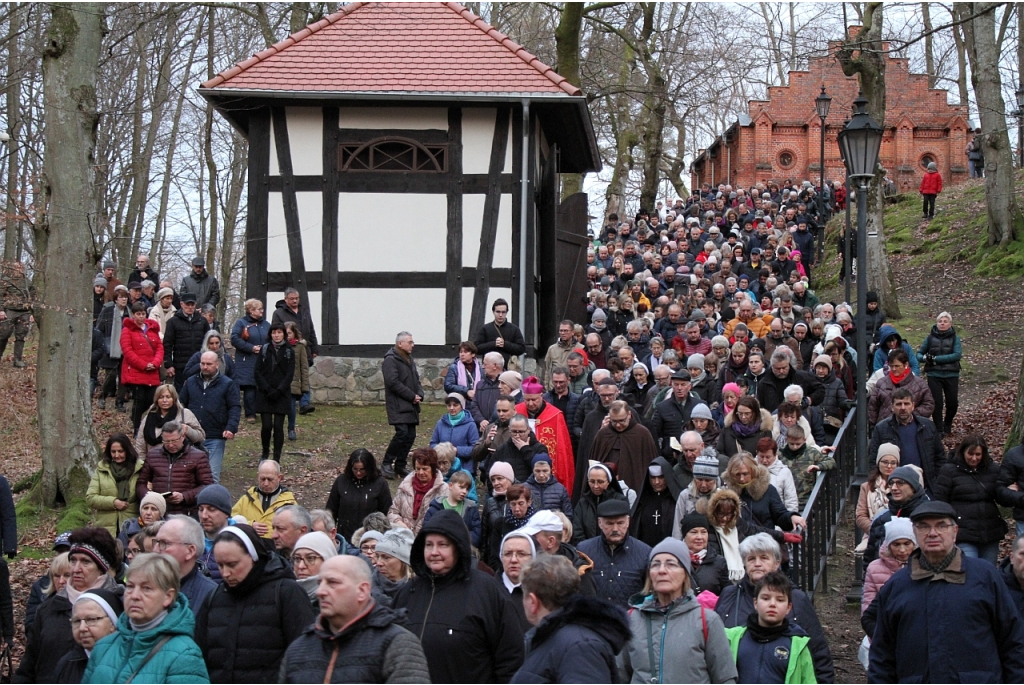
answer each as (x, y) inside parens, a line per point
(673, 413)
(183, 338)
(500, 335)
(1011, 472)
(202, 284)
(784, 372)
(354, 640)
(402, 396)
(920, 444)
(289, 309)
(469, 631)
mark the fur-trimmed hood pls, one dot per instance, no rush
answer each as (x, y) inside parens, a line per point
(767, 422)
(719, 496)
(758, 486)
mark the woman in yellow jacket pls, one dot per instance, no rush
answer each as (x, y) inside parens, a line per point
(111, 493)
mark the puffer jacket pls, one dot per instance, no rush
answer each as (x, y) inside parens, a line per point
(551, 495)
(350, 502)
(877, 533)
(186, 472)
(492, 530)
(375, 648)
(877, 572)
(675, 640)
(737, 602)
(183, 338)
(730, 443)
(244, 631)
(618, 573)
(833, 408)
(103, 491)
(119, 657)
(931, 183)
(974, 494)
(400, 513)
(462, 612)
(880, 402)
(712, 574)
(274, 372)
(577, 643)
(463, 435)
(141, 348)
(945, 350)
(401, 385)
(245, 358)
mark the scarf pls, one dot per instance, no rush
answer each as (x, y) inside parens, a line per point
(462, 371)
(745, 431)
(74, 594)
(420, 491)
(731, 551)
(115, 334)
(457, 419)
(122, 477)
(153, 428)
(878, 499)
(896, 380)
(148, 625)
(698, 379)
(698, 558)
(950, 569)
(762, 633)
(518, 523)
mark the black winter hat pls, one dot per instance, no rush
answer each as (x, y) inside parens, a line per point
(872, 296)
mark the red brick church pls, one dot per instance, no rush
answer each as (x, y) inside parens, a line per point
(780, 138)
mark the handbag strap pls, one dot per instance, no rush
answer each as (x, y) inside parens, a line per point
(156, 648)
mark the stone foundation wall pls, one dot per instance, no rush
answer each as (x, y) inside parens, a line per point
(358, 380)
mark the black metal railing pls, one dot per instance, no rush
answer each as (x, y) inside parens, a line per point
(823, 511)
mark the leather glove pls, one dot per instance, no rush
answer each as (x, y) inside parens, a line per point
(793, 538)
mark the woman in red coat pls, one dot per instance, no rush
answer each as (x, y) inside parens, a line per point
(931, 186)
(143, 354)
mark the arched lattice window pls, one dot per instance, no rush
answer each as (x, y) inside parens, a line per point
(393, 154)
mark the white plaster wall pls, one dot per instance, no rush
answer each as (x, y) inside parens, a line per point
(306, 140)
(467, 307)
(477, 137)
(416, 244)
(419, 118)
(370, 316)
(311, 224)
(472, 223)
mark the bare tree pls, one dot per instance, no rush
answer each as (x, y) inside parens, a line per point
(67, 256)
(863, 55)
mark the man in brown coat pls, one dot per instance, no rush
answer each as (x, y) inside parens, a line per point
(623, 441)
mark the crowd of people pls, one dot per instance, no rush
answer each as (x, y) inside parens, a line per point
(624, 514)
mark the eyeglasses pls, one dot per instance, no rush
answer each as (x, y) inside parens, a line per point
(669, 565)
(157, 542)
(944, 527)
(512, 554)
(90, 622)
(307, 560)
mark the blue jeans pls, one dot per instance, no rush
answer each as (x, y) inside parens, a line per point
(1020, 528)
(304, 400)
(989, 552)
(215, 451)
(291, 412)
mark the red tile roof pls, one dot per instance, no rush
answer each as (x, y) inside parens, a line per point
(429, 47)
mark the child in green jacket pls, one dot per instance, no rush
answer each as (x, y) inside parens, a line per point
(771, 649)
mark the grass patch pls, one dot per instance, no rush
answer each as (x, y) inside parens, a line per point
(26, 483)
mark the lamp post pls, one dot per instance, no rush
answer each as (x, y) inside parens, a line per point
(822, 104)
(860, 142)
(1019, 113)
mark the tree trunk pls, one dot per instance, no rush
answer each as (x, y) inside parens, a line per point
(929, 51)
(961, 60)
(239, 164)
(1005, 220)
(863, 56)
(67, 257)
(773, 42)
(567, 64)
(15, 193)
(211, 163)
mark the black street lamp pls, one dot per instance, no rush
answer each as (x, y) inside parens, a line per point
(860, 142)
(822, 104)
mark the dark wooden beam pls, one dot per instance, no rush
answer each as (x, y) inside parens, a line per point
(293, 228)
(257, 202)
(396, 182)
(489, 227)
(521, 186)
(329, 228)
(429, 136)
(378, 351)
(279, 280)
(453, 247)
